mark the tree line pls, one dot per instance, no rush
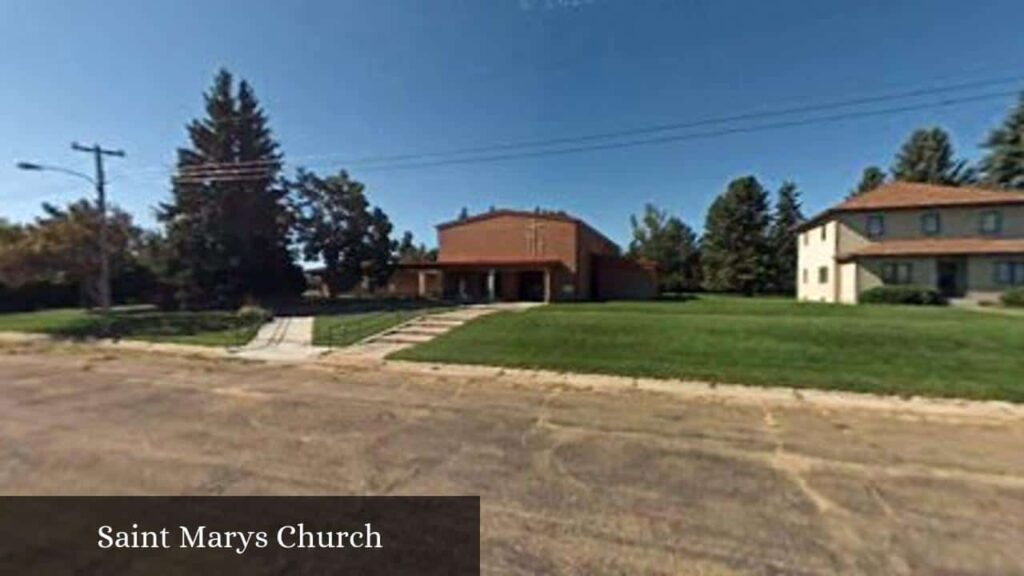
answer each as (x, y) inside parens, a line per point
(235, 226)
(749, 246)
(233, 229)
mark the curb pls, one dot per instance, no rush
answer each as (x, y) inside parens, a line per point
(711, 392)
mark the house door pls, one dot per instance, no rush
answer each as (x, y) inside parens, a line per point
(951, 275)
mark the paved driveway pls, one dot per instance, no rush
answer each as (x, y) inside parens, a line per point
(572, 480)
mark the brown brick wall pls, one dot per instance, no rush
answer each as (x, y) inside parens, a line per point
(509, 237)
(587, 257)
(591, 243)
(622, 279)
(405, 283)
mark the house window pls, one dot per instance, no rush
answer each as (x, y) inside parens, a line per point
(806, 276)
(876, 226)
(823, 275)
(824, 233)
(807, 238)
(931, 224)
(897, 273)
(991, 222)
(1010, 273)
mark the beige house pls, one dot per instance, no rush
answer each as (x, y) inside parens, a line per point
(964, 242)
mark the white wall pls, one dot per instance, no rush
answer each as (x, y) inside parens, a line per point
(817, 250)
(849, 289)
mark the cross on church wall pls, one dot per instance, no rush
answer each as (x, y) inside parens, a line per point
(535, 238)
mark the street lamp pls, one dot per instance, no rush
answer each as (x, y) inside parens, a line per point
(32, 166)
(101, 197)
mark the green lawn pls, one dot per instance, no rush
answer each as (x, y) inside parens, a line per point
(200, 328)
(883, 349)
(343, 329)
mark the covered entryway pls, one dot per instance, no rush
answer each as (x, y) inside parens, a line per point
(483, 281)
(532, 286)
(951, 277)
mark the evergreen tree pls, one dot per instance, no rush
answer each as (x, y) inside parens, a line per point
(735, 247)
(407, 249)
(671, 245)
(788, 215)
(871, 178)
(928, 157)
(227, 223)
(410, 252)
(1003, 166)
(335, 225)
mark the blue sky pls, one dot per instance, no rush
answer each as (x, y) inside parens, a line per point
(351, 79)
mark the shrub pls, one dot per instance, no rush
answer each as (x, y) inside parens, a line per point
(39, 295)
(254, 314)
(1014, 298)
(909, 295)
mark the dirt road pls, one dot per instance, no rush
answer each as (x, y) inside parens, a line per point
(572, 481)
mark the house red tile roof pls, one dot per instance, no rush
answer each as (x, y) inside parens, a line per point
(907, 195)
(938, 247)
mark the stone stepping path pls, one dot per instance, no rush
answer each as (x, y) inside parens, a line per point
(417, 331)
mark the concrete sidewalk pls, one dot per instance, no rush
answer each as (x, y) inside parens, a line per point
(286, 339)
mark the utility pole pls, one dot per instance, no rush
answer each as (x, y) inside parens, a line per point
(101, 203)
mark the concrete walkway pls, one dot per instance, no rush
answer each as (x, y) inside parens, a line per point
(975, 306)
(286, 339)
(421, 329)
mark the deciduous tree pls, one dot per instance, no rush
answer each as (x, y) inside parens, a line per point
(62, 247)
(9, 232)
(381, 250)
(335, 225)
(671, 245)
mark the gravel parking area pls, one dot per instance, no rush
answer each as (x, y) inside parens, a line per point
(572, 480)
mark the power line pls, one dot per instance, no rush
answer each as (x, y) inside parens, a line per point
(695, 136)
(699, 123)
(659, 140)
(223, 172)
(206, 167)
(225, 179)
(821, 107)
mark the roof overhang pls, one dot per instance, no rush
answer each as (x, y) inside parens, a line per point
(937, 248)
(483, 265)
(896, 196)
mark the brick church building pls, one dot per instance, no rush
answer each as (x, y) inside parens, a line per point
(507, 255)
